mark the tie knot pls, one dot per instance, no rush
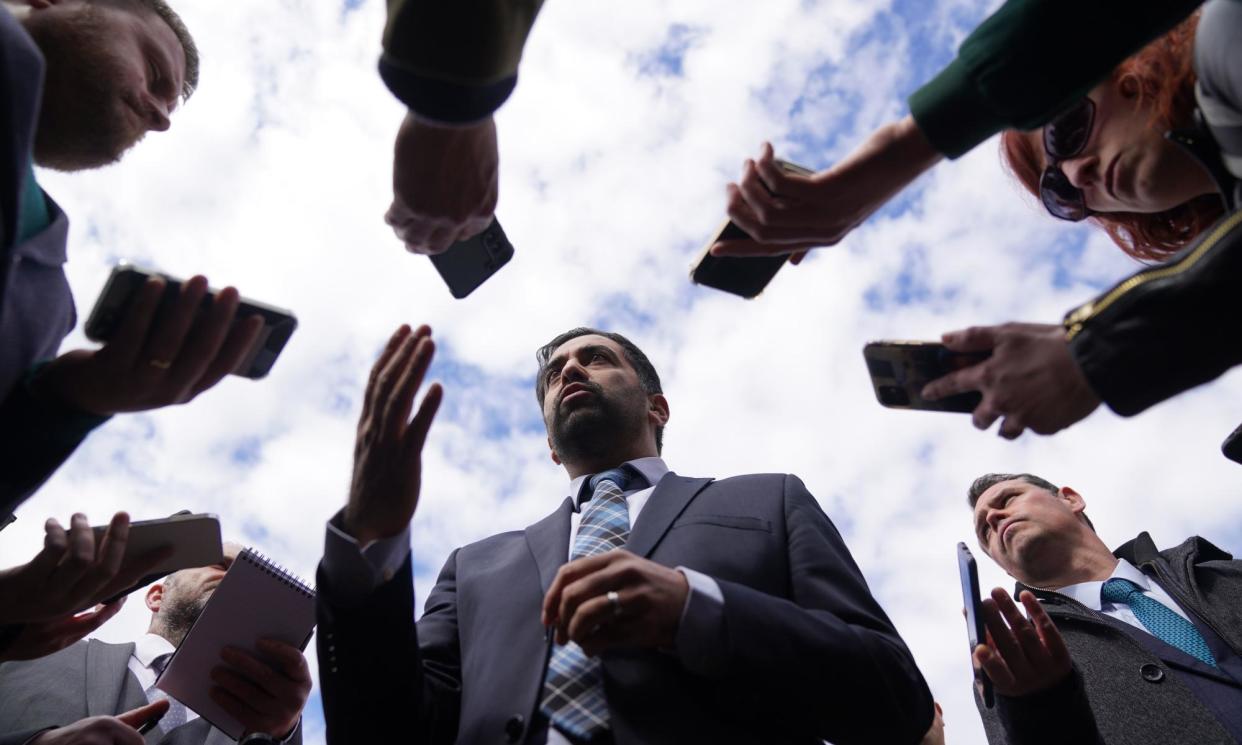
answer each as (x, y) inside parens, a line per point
(161, 662)
(619, 477)
(1118, 590)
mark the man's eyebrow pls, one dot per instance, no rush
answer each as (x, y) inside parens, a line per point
(558, 361)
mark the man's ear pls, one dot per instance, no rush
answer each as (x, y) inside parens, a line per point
(551, 451)
(657, 409)
(155, 597)
(1075, 501)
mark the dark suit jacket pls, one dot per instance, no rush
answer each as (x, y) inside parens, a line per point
(90, 678)
(36, 307)
(1128, 687)
(807, 653)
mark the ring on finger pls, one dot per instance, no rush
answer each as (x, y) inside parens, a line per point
(159, 364)
(615, 601)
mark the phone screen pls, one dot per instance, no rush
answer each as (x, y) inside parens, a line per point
(975, 634)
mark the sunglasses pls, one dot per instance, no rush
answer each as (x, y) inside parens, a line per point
(1064, 138)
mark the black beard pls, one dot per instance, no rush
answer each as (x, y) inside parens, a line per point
(179, 614)
(594, 428)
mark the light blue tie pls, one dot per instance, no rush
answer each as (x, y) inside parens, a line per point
(1162, 621)
(177, 714)
(573, 689)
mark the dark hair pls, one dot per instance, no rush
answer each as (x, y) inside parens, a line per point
(988, 480)
(1163, 76)
(647, 374)
(166, 14)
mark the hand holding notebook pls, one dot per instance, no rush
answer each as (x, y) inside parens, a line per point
(256, 600)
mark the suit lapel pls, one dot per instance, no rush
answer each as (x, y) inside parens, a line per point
(106, 668)
(668, 500)
(548, 541)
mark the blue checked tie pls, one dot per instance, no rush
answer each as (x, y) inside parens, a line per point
(573, 690)
(1162, 621)
(177, 714)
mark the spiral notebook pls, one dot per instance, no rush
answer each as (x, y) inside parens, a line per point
(257, 599)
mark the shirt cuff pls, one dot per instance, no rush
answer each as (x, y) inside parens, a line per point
(355, 571)
(700, 635)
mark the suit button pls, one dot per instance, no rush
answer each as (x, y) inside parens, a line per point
(514, 727)
(1151, 673)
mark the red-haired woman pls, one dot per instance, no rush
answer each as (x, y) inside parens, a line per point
(1107, 158)
(1166, 328)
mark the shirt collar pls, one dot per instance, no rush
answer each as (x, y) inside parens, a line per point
(651, 468)
(149, 646)
(1088, 593)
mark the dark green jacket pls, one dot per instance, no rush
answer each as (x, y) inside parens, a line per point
(455, 61)
(1030, 60)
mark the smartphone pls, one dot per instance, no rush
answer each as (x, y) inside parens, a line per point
(974, 615)
(740, 275)
(900, 369)
(195, 539)
(127, 279)
(467, 264)
(1232, 446)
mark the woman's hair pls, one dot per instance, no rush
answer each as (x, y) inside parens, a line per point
(1163, 76)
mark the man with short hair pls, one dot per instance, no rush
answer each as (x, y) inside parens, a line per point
(1120, 648)
(647, 608)
(47, 701)
(81, 82)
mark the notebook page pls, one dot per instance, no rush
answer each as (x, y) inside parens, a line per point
(255, 600)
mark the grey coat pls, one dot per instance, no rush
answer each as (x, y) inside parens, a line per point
(1123, 690)
(87, 679)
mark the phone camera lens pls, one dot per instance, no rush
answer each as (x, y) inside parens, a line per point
(891, 395)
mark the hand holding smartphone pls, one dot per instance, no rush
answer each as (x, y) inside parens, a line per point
(127, 280)
(742, 276)
(971, 602)
(900, 369)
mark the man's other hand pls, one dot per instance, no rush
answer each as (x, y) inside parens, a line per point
(1031, 379)
(118, 730)
(265, 693)
(1022, 656)
(647, 611)
(153, 361)
(444, 183)
(388, 453)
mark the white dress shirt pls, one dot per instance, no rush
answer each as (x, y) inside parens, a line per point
(355, 571)
(146, 649)
(1088, 593)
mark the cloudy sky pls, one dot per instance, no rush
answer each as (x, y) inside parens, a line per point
(626, 124)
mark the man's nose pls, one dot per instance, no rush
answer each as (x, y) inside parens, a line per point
(1082, 171)
(573, 372)
(157, 114)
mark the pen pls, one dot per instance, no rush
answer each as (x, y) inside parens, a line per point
(149, 725)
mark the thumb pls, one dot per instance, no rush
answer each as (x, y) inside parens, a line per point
(137, 717)
(973, 339)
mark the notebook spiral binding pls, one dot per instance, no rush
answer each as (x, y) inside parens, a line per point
(266, 565)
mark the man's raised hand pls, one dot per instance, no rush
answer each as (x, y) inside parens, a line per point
(388, 453)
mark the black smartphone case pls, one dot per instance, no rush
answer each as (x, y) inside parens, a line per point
(743, 276)
(467, 264)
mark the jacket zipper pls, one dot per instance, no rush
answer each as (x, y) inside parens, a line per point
(1074, 321)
